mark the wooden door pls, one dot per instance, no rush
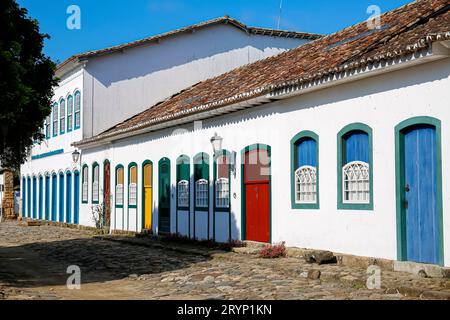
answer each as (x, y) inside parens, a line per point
(107, 194)
(420, 193)
(164, 195)
(148, 195)
(257, 195)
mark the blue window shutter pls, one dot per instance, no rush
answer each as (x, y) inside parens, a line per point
(356, 145)
(307, 153)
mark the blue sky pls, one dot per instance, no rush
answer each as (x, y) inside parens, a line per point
(110, 22)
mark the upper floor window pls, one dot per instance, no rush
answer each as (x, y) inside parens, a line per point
(84, 179)
(119, 186)
(77, 110)
(183, 177)
(47, 127)
(355, 172)
(222, 183)
(55, 119)
(132, 186)
(69, 113)
(95, 183)
(305, 171)
(62, 116)
(201, 178)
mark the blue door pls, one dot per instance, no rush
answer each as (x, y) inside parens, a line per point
(47, 198)
(69, 197)
(23, 196)
(76, 198)
(420, 192)
(41, 196)
(54, 195)
(61, 197)
(29, 198)
(34, 198)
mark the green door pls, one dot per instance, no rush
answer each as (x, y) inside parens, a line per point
(164, 195)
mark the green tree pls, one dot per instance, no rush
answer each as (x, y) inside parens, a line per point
(26, 83)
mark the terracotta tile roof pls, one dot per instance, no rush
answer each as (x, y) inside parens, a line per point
(205, 24)
(405, 30)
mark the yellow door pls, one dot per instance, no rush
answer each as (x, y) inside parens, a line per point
(148, 193)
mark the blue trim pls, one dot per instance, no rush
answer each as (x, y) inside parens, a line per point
(69, 128)
(55, 108)
(69, 197)
(48, 154)
(76, 197)
(61, 197)
(62, 129)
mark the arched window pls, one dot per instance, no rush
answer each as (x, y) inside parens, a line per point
(69, 113)
(132, 185)
(62, 116)
(95, 183)
(85, 184)
(305, 171)
(77, 110)
(201, 178)
(355, 167)
(119, 186)
(183, 177)
(55, 119)
(222, 180)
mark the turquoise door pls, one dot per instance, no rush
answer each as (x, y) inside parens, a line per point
(23, 196)
(420, 194)
(41, 197)
(29, 198)
(69, 197)
(61, 197)
(47, 198)
(54, 196)
(164, 195)
(76, 198)
(34, 198)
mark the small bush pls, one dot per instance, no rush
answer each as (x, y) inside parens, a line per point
(273, 252)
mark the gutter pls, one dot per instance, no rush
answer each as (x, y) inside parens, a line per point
(431, 48)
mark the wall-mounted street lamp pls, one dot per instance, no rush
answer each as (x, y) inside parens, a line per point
(216, 142)
(76, 156)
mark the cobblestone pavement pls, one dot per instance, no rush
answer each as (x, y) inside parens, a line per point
(34, 260)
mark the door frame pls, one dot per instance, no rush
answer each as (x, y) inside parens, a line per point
(160, 163)
(257, 146)
(106, 163)
(145, 163)
(400, 182)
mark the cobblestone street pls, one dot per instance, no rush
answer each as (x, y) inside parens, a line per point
(34, 260)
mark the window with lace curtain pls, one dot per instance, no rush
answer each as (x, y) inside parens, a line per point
(132, 186)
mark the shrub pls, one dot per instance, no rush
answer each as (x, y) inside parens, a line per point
(273, 252)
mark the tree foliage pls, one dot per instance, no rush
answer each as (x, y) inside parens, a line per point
(26, 83)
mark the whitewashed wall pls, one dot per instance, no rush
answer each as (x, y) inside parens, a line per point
(381, 102)
(60, 162)
(121, 85)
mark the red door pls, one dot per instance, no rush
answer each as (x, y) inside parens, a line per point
(257, 195)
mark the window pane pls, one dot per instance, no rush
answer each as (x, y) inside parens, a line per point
(201, 193)
(183, 193)
(222, 193)
(306, 185)
(356, 182)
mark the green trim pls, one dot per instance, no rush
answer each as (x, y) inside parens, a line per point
(181, 175)
(131, 165)
(257, 146)
(161, 162)
(55, 108)
(203, 158)
(61, 129)
(223, 210)
(145, 163)
(82, 182)
(94, 165)
(115, 185)
(400, 182)
(294, 141)
(340, 152)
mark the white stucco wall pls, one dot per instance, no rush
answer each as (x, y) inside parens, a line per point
(381, 102)
(121, 85)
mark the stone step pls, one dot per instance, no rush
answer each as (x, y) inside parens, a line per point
(255, 245)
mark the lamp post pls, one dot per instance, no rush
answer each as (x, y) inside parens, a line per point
(216, 142)
(76, 156)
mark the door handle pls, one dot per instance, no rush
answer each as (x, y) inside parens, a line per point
(407, 188)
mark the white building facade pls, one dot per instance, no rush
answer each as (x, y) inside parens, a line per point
(340, 144)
